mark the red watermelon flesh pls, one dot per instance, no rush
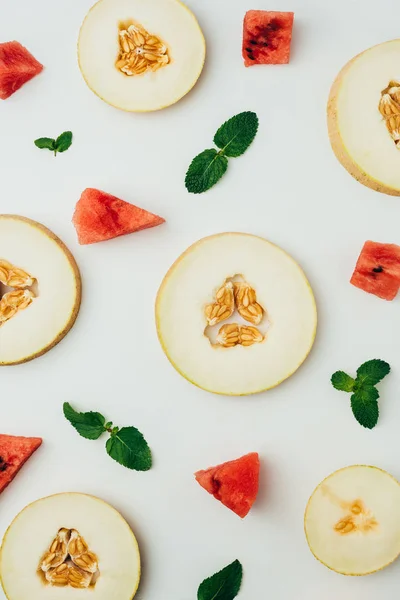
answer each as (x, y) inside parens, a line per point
(99, 216)
(378, 270)
(234, 483)
(14, 452)
(267, 37)
(17, 66)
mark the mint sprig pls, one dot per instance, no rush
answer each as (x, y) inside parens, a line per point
(60, 144)
(232, 138)
(364, 399)
(127, 445)
(224, 585)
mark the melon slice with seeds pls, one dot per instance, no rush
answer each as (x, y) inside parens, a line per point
(234, 483)
(14, 452)
(100, 216)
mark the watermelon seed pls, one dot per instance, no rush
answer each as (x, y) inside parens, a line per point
(3, 464)
(253, 42)
(378, 269)
(265, 44)
(249, 50)
(251, 57)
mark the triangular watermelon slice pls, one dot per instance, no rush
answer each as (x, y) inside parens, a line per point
(99, 216)
(17, 66)
(14, 452)
(234, 483)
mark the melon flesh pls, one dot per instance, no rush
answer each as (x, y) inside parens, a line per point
(50, 316)
(98, 48)
(282, 289)
(105, 531)
(17, 67)
(378, 270)
(14, 452)
(357, 129)
(234, 483)
(100, 216)
(267, 37)
(352, 520)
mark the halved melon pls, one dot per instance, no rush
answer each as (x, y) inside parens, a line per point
(352, 520)
(364, 117)
(235, 314)
(60, 544)
(40, 290)
(141, 55)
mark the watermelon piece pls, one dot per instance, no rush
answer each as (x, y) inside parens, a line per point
(234, 483)
(99, 216)
(378, 270)
(14, 452)
(267, 36)
(17, 66)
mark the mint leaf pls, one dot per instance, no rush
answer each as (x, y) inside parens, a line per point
(128, 447)
(372, 372)
(224, 585)
(236, 134)
(45, 142)
(343, 382)
(89, 425)
(364, 404)
(63, 142)
(205, 170)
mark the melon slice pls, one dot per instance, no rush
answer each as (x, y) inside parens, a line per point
(14, 452)
(235, 314)
(267, 36)
(99, 216)
(378, 270)
(234, 483)
(364, 117)
(75, 542)
(17, 67)
(141, 55)
(40, 290)
(352, 520)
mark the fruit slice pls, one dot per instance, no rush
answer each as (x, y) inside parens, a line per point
(234, 483)
(141, 56)
(14, 452)
(352, 520)
(75, 541)
(378, 270)
(17, 66)
(99, 216)
(220, 351)
(364, 117)
(267, 36)
(40, 290)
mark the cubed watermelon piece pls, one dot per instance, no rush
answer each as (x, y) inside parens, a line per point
(267, 37)
(14, 452)
(99, 216)
(234, 483)
(378, 270)
(17, 66)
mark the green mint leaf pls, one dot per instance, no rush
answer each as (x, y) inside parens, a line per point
(63, 142)
(364, 404)
(224, 585)
(205, 170)
(128, 447)
(372, 372)
(236, 134)
(343, 382)
(89, 425)
(45, 142)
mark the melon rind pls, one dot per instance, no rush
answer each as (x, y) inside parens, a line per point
(165, 87)
(107, 533)
(247, 368)
(336, 133)
(24, 316)
(357, 553)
